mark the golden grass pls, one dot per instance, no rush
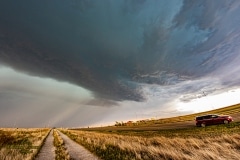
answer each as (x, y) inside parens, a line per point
(61, 152)
(19, 144)
(113, 146)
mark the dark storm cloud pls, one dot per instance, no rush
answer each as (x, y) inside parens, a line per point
(111, 47)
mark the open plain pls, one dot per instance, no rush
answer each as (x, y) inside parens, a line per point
(171, 138)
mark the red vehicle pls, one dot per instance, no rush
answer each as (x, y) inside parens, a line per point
(212, 119)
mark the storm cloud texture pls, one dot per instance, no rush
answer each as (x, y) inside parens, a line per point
(126, 51)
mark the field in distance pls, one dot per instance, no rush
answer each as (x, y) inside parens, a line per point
(186, 121)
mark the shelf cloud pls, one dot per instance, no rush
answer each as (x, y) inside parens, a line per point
(118, 51)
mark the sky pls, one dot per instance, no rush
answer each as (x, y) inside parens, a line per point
(80, 63)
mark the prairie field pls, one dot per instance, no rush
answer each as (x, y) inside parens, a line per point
(212, 142)
(175, 138)
(19, 143)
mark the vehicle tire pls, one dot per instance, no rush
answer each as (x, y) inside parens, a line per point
(225, 122)
(203, 125)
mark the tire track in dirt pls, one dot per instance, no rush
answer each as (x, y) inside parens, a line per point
(77, 151)
(47, 151)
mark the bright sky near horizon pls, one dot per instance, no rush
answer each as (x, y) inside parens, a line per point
(224, 99)
(84, 63)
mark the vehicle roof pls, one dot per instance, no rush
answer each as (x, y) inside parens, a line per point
(207, 115)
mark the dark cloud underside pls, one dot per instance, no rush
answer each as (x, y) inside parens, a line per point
(112, 47)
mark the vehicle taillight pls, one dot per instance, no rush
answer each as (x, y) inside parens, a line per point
(229, 118)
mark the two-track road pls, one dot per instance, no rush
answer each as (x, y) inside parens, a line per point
(76, 151)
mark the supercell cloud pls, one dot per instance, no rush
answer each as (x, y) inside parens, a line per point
(129, 50)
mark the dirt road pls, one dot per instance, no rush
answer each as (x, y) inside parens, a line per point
(76, 151)
(47, 151)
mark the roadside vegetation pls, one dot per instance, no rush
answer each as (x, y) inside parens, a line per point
(61, 152)
(212, 142)
(19, 144)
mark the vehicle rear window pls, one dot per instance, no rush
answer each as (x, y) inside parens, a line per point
(204, 117)
(199, 118)
(207, 117)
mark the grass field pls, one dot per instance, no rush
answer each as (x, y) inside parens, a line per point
(213, 142)
(175, 138)
(19, 144)
(151, 140)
